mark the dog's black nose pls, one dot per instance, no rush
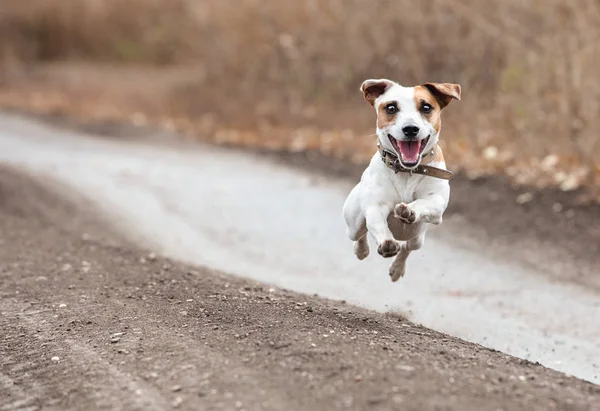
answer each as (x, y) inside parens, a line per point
(410, 130)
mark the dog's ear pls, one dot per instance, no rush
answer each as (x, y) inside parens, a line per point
(444, 92)
(373, 88)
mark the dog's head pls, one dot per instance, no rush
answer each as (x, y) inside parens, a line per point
(409, 118)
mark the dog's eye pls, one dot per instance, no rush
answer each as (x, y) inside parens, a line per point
(391, 108)
(426, 108)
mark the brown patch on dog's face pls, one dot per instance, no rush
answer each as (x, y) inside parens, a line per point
(429, 107)
(386, 116)
(436, 157)
(444, 92)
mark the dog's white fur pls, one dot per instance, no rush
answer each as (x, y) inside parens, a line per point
(396, 208)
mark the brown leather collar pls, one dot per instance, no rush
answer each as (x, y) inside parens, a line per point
(391, 161)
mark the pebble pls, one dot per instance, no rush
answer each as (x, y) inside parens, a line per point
(405, 368)
(524, 198)
(115, 340)
(177, 402)
(55, 359)
(376, 400)
(176, 388)
(62, 305)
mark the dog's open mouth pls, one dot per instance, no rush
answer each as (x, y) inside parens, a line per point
(409, 150)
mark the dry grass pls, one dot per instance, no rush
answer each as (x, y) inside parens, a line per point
(529, 73)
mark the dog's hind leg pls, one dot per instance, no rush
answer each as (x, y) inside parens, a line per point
(361, 247)
(356, 224)
(398, 267)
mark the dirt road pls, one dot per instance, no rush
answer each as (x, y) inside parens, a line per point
(91, 321)
(245, 215)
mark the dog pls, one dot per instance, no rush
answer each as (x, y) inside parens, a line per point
(406, 186)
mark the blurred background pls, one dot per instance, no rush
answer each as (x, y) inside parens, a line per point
(285, 75)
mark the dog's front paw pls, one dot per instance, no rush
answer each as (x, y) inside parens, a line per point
(406, 214)
(388, 248)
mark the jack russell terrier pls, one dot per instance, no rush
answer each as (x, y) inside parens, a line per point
(406, 184)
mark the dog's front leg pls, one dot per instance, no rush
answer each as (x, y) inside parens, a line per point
(377, 225)
(427, 208)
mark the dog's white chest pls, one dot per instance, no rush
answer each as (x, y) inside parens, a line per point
(404, 187)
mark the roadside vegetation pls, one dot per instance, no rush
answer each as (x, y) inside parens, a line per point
(285, 75)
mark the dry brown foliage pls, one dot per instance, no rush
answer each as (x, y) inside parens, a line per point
(291, 70)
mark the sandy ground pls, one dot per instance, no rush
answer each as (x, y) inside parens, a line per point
(90, 322)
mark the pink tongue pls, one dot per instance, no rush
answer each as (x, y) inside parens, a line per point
(410, 150)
